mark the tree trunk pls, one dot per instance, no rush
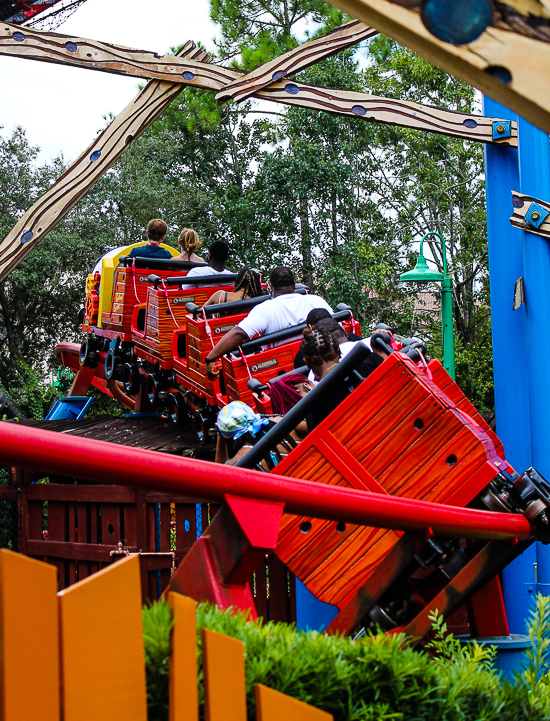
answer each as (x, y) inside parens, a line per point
(334, 223)
(305, 234)
(9, 407)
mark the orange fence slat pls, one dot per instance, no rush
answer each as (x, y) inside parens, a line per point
(103, 660)
(273, 705)
(29, 640)
(224, 680)
(184, 702)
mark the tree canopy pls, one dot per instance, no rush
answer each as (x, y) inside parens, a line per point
(344, 202)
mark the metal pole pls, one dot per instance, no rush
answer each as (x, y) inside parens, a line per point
(41, 450)
(447, 330)
(508, 326)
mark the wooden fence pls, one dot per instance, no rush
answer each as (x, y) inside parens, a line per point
(78, 654)
(81, 528)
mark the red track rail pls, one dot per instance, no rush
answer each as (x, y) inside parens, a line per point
(42, 450)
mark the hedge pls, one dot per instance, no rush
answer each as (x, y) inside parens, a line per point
(377, 678)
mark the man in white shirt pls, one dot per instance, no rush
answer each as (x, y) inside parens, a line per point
(284, 310)
(218, 253)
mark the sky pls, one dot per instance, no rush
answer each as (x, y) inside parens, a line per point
(62, 108)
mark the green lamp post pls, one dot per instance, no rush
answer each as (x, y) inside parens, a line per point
(422, 273)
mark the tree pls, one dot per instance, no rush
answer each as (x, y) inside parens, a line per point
(39, 300)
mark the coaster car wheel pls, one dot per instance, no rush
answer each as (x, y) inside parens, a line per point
(177, 409)
(153, 390)
(112, 365)
(89, 353)
(131, 378)
(205, 420)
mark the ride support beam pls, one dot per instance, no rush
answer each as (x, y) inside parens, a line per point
(507, 65)
(168, 75)
(90, 459)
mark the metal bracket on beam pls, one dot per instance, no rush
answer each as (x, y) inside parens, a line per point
(532, 214)
(536, 215)
(502, 129)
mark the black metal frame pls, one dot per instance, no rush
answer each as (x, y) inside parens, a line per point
(345, 369)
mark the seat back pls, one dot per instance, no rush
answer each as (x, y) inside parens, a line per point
(166, 313)
(110, 296)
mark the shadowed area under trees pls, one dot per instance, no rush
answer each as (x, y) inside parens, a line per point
(342, 201)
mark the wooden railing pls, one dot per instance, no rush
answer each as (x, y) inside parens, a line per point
(78, 654)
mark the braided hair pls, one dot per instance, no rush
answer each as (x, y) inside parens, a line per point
(188, 240)
(248, 281)
(318, 346)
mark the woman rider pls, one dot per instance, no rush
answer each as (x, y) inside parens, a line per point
(247, 285)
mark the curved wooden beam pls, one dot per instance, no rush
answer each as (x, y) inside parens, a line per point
(297, 59)
(84, 172)
(171, 74)
(402, 113)
(496, 53)
(190, 67)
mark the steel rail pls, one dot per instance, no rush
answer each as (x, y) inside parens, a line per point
(42, 450)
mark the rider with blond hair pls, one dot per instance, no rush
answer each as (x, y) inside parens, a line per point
(188, 242)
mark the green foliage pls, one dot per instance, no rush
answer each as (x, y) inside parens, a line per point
(253, 32)
(372, 679)
(157, 626)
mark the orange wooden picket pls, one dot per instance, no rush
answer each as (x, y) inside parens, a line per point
(79, 654)
(29, 640)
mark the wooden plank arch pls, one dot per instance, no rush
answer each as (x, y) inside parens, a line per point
(168, 75)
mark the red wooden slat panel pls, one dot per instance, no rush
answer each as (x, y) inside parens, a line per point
(110, 524)
(376, 425)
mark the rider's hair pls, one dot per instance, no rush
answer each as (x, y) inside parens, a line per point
(332, 327)
(249, 281)
(188, 240)
(316, 314)
(219, 251)
(281, 277)
(156, 229)
(319, 346)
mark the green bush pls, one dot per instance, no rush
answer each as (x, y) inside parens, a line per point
(378, 678)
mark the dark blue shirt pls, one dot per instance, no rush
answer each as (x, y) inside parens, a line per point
(149, 251)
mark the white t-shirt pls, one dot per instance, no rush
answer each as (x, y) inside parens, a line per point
(279, 313)
(205, 270)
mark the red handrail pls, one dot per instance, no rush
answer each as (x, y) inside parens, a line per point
(98, 461)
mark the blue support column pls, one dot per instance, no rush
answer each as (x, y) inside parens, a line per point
(534, 162)
(534, 170)
(510, 348)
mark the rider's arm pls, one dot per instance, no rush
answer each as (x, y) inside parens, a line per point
(229, 342)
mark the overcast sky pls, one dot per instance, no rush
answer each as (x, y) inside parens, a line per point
(62, 108)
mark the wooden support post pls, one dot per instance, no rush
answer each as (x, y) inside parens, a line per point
(29, 640)
(184, 703)
(224, 679)
(273, 705)
(102, 653)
